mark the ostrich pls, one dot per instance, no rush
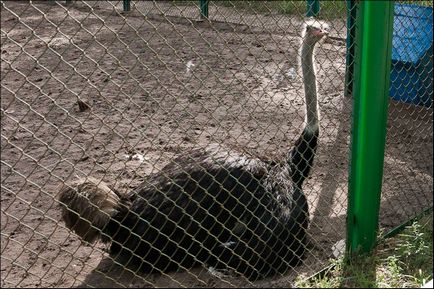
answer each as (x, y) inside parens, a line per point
(213, 206)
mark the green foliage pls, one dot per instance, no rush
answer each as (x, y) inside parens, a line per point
(417, 2)
(328, 9)
(402, 261)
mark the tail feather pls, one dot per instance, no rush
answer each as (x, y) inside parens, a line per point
(87, 207)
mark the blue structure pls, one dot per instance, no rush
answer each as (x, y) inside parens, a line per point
(411, 75)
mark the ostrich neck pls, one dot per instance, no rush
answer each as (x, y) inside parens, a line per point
(310, 91)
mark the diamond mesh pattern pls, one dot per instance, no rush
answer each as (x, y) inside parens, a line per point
(91, 91)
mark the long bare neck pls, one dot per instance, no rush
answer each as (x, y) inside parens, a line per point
(309, 79)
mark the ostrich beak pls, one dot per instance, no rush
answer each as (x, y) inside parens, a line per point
(326, 32)
(321, 33)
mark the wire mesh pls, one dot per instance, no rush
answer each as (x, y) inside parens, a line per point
(408, 166)
(91, 91)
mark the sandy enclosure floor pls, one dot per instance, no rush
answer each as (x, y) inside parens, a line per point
(159, 86)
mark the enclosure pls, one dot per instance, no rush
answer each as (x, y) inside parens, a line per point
(91, 90)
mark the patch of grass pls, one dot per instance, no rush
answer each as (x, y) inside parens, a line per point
(405, 260)
(417, 2)
(328, 9)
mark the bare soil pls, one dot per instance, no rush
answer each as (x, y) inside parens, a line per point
(153, 86)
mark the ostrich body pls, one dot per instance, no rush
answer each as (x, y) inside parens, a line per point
(212, 207)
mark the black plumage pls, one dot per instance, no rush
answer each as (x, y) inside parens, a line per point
(217, 208)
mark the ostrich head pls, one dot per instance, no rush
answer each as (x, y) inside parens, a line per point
(314, 31)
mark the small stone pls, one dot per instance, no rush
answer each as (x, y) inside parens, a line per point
(82, 105)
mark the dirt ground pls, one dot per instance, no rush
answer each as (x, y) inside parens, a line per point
(158, 86)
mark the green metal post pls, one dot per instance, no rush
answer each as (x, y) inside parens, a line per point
(312, 8)
(127, 5)
(203, 9)
(373, 44)
(351, 29)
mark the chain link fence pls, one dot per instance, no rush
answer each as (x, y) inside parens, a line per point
(91, 91)
(408, 163)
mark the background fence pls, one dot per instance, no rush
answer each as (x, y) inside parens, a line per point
(90, 90)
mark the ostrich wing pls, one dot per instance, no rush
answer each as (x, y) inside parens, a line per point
(204, 180)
